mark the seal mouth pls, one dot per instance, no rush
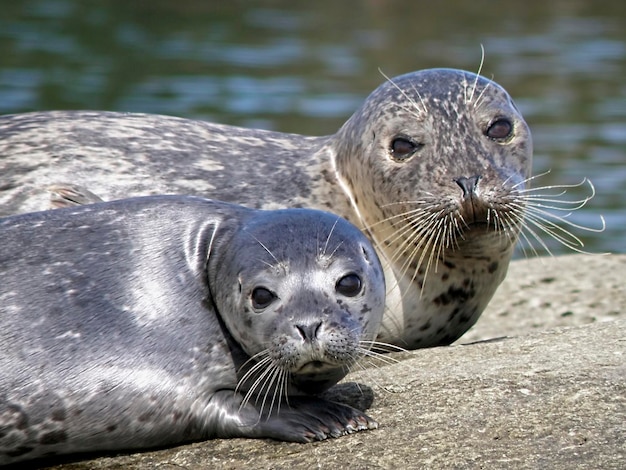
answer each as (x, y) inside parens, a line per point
(313, 366)
(477, 225)
(474, 228)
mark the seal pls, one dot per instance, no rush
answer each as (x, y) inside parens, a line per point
(152, 321)
(433, 168)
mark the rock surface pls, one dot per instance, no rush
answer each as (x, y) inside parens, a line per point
(539, 382)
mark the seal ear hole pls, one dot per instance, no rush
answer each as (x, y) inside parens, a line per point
(349, 285)
(365, 254)
(499, 129)
(262, 297)
(402, 148)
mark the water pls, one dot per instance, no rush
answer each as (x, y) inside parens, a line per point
(305, 68)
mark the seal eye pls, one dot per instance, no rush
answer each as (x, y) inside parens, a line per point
(349, 285)
(262, 297)
(402, 148)
(499, 129)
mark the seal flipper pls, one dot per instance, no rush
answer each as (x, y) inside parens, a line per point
(304, 419)
(70, 195)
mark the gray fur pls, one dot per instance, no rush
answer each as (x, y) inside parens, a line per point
(436, 289)
(129, 324)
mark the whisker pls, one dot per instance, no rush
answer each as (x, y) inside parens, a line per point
(266, 370)
(552, 229)
(261, 363)
(557, 232)
(336, 248)
(529, 244)
(418, 240)
(539, 207)
(561, 186)
(538, 199)
(330, 234)
(381, 347)
(482, 94)
(508, 220)
(269, 379)
(529, 179)
(379, 357)
(409, 99)
(370, 360)
(480, 68)
(414, 201)
(278, 263)
(539, 212)
(279, 390)
(527, 228)
(416, 236)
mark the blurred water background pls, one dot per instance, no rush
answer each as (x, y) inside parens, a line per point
(304, 67)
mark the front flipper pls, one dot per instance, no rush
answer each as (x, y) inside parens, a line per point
(70, 195)
(303, 419)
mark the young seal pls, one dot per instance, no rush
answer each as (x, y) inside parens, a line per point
(433, 167)
(152, 321)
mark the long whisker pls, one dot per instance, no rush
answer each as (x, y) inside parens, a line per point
(529, 179)
(416, 235)
(263, 355)
(408, 98)
(378, 346)
(330, 234)
(480, 68)
(259, 379)
(540, 215)
(565, 187)
(558, 233)
(278, 392)
(538, 210)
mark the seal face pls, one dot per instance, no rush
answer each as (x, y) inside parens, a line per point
(438, 188)
(152, 321)
(432, 168)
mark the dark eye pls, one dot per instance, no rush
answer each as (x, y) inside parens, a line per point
(349, 285)
(262, 297)
(402, 148)
(499, 129)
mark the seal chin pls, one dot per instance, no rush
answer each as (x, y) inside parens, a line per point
(315, 366)
(313, 381)
(477, 228)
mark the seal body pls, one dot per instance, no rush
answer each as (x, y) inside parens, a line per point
(430, 168)
(152, 321)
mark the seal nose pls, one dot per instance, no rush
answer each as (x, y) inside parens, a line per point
(468, 185)
(309, 331)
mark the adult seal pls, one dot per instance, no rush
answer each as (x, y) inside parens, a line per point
(433, 168)
(152, 321)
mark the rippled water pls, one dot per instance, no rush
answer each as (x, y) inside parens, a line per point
(305, 69)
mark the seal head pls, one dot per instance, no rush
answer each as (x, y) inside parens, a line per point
(304, 297)
(434, 163)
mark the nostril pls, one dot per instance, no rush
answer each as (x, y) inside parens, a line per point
(468, 185)
(309, 331)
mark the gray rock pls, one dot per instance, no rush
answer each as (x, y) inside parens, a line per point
(542, 293)
(540, 383)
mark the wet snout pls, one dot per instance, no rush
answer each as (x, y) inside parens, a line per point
(468, 185)
(472, 206)
(309, 329)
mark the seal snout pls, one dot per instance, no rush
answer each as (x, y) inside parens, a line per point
(472, 205)
(309, 330)
(468, 185)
